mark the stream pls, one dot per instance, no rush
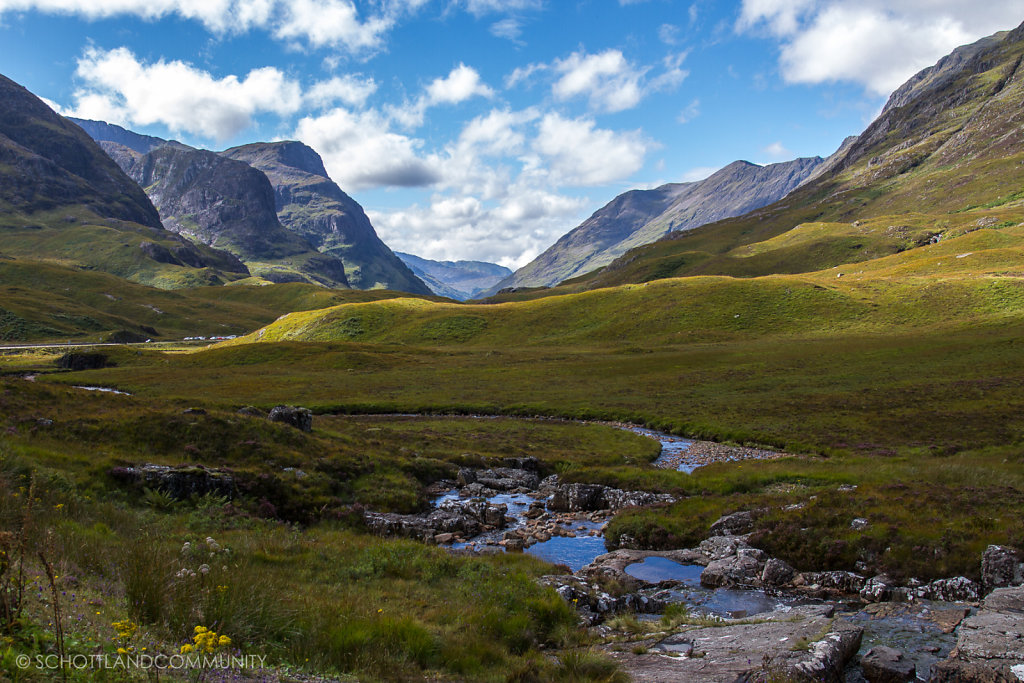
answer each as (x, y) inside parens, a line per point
(910, 627)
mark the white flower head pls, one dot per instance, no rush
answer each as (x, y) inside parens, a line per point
(204, 569)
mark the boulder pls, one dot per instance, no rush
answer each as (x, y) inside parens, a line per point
(957, 589)
(719, 547)
(878, 588)
(1000, 567)
(886, 665)
(507, 479)
(745, 568)
(734, 524)
(777, 573)
(300, 418)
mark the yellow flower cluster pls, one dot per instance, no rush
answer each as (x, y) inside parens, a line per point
(205, 641)
(125, 629)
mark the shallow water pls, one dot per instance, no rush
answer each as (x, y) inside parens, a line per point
(672, 447)
(107, 390)
(655, 569)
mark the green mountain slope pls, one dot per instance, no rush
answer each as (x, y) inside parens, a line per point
(63, 199)
(946, 155)
(310, 204)
(642, 216)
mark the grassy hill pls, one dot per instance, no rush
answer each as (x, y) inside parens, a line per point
(42, 302)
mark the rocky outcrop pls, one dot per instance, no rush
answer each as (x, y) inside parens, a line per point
(181, 483)
(1000, 567)
(300, 418)
(990, 645)
(802, 644)
(587, 497)
(593, 604)
(734, 524)
(451, 521)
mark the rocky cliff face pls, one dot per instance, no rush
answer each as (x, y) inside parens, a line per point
(229, 205)
(107, 132)
(459, 280)
(61, 197)
(310, 204)
(639, 217)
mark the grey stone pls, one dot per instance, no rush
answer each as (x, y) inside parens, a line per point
(887, 665)
(844, 582)
(990, 644)
(590, 497)
(743, 569)
(1000, 567)
(300, 418)
(777, 573)
(733, 524)
(719, 547)
(181, 483)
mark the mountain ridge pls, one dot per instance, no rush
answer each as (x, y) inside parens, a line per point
(639, 217)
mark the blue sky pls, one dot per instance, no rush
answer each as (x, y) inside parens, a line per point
(486, 129)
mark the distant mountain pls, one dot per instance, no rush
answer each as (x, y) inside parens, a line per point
(310, 204)
(226, 204)
(459, 280)
(643, 216)
(108, 132)
(63, 199)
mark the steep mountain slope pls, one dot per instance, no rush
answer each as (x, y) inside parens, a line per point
(642, 216)
(229, 205)
(63, 199)
(945, 155)
(459, 280)
(310, 204)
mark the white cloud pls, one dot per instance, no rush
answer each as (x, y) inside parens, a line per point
(691, 112)
(461, 84)
(607, 79)
(877, 43)
(668, 34)
(581, 154)
(331, 23)
(508, 28)
(316, 23)
(776, 150)
(360, 151)
(117, 87)
(348, 89)
(481, 7)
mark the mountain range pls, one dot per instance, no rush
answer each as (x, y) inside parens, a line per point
(459, 280)
(639, 217)
(271, 204)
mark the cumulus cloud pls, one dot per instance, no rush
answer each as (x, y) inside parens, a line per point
(579, 153)
(360, 151)
(348, 89)
(316, 23)
(461, 84)
(877, 43)
(117, 87)
(606, 79)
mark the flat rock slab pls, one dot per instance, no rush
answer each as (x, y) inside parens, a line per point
(800, 646)
(990, 646)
